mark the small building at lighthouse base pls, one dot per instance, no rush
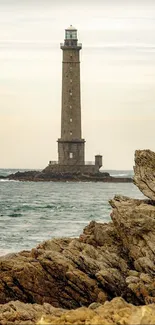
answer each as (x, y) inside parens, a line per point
(88, 168)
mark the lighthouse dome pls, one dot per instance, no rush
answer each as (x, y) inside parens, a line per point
(71, 28)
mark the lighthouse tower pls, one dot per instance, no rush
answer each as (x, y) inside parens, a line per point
(71, 145)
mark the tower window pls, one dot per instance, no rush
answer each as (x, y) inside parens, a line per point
(71, 132)
(71, 155)
(71, 120)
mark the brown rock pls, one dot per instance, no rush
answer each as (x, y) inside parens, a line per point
(100, 234)
(114, 312)
(134, 221)
(18, 313)
(115, 259)
(144, 171)
(117, 311)
(66, 273)
(108, 260)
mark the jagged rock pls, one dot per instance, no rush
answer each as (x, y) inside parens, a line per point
(114, 312)
(99, 234)
(109, 260)
(134, 221)
(18, 313)
(106, 261)
(144, 170)
(117, 311)
(67, 273)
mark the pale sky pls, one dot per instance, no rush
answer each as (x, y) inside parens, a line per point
(117, 79)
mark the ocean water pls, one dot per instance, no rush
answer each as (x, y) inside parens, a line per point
(33, 212)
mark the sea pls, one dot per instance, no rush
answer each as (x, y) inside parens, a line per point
(33, 212)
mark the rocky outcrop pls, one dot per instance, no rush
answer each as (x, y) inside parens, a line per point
(114, 312)
(144, 171)
(67, 273)
(134, 221)
(26, 175)
(18, 313)
(47, 176)
(107, 261)
(117, 311)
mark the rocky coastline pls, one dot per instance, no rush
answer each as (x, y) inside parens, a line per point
(44, 176)
(106, 276)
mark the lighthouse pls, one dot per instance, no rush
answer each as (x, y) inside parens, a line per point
(71, 145)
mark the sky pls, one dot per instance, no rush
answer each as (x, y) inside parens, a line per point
(117, 79)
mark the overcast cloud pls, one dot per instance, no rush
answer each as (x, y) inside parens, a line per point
(117, 79)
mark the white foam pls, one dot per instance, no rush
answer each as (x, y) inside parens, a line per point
(8, 180)
(120, 175)
(4, 252)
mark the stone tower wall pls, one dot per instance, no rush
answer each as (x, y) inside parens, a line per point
(98, 161)
(71, 145)
(83, 169)
(71, 152)
(71, 104)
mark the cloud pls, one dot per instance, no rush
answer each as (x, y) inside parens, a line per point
(117, 74)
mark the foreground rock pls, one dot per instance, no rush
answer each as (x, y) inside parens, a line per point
(144, 171)
(67, 273)
(134, 221)
(108, 260)
(117, 311)
(114, 312)
(19, 313)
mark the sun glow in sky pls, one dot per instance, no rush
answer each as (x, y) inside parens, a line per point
(117, 79)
